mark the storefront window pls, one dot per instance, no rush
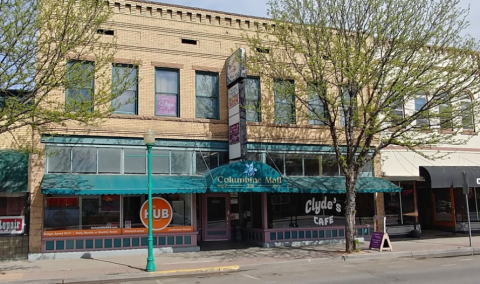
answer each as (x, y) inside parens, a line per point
(254, 157)
(443, 205)
(101, 212)
(84, 160)
(314, 210)
(160, 162)
(205, 161)
(62, 213)
(109, 160)
(293, 165)
(275, 161)
(12, 206)
(473, 199)
(59, 159)
(329, 165)
(135, 161)
(181, 162)
(312, 165)
(397, 204)
(107, 211)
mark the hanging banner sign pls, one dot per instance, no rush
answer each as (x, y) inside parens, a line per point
(12, 225)
(162, 213)
(237, 122)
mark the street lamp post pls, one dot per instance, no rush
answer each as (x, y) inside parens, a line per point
(149, 139)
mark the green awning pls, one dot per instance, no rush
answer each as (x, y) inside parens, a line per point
(337, 185)
(245, 176)
(13, 172)
(119, 184)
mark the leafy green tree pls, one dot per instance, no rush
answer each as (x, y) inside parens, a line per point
(373, 73)
(55, 60)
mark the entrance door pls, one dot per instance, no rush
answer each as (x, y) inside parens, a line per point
(216, 222)
(443, 207)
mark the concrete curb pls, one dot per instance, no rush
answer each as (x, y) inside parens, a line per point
(132, 276)
(461, 251)
(202, 270)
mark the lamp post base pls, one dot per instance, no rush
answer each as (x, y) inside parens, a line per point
(150, 265)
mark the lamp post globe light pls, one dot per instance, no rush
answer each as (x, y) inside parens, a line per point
(149, 139)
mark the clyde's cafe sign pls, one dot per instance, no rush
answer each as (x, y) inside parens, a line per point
(325, 205)
(12, 225)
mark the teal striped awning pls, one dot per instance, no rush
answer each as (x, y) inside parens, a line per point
(245, 176)
(119, 184)
(13, 172)
(337, 185)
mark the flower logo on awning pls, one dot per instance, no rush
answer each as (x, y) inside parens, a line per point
(250, 170)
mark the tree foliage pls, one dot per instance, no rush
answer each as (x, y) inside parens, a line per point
(51, 52)
(361, 69)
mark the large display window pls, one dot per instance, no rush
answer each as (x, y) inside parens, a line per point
(400, 205)
(111, 214)
(314, 210)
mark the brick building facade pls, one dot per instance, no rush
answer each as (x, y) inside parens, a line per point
(86, 193)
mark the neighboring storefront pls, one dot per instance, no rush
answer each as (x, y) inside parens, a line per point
(401, 210)
(94, 190)
(13, 205)
(448, 206)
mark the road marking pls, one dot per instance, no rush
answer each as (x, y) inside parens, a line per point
(159, 282)
(205, 269)
(251, 277)
(453, 264)
(468, 259)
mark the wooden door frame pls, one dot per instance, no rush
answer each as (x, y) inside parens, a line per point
(204, 215)
(452, 223)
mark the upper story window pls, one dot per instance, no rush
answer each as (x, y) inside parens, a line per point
(284, 92)
(80, 85)
(398, 113)
(420, 102)
(318, 114)
(167, 85)
(252, 94)
(445, 112)
(467, 112)
(118, 160)
(348, 108)
(205, 161)
(125, 77)
(206, 91)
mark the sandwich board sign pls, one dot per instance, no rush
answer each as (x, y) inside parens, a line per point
(380, 241)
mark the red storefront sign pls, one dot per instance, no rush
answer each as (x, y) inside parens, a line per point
(12, 225)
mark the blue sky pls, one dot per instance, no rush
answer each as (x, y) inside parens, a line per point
(259, 8)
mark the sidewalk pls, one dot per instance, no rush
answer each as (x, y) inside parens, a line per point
(132, 266)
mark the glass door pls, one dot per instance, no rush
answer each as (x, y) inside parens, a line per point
(216, 222)
(444, 207)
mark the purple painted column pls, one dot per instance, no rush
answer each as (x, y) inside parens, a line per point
(264, 211)
(194, 211)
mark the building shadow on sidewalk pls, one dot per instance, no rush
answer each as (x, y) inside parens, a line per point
(89, 257)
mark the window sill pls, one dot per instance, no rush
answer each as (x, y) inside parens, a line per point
(166, 118)
(468, 132)
(446, 131)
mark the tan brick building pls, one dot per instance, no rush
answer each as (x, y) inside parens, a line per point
(88, 191)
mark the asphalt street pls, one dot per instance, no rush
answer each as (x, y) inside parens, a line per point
(458, 270)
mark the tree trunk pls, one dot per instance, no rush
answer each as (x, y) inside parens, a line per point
(350, 204)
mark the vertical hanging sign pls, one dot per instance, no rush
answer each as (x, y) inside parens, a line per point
(237, 123)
